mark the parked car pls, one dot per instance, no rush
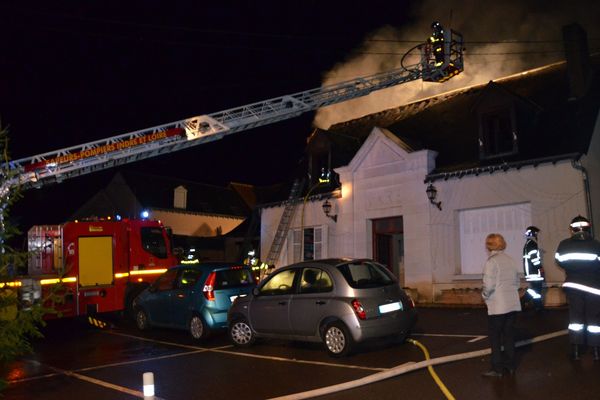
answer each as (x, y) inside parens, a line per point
(339, 302)
(194, 297)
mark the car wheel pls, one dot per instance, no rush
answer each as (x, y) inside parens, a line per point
(141, 320)
(241, 333)
(198, 328)
(337, 340)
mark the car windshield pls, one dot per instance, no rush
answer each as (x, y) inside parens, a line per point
(366, 275)
(232, 278)
(153, 242)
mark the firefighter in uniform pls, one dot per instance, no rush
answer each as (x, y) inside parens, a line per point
(258, 267)
(533, 268)
(437, 42)
(579, 257)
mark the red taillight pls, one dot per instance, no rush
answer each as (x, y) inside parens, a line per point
(209, 285)
(358, 309)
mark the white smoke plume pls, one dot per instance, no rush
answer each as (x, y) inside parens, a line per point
(501, 38)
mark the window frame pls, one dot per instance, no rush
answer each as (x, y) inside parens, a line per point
(297, 241)
(487, 136)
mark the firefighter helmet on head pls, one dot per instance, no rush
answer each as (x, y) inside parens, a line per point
(579, 224)
(532, 231)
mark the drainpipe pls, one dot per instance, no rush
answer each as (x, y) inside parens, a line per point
(586, 187)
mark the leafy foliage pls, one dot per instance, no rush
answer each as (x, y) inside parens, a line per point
(19, 322)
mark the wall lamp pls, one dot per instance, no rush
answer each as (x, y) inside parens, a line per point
(327, 210)
(432, 194)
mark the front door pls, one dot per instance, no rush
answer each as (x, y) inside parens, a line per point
(388, 244)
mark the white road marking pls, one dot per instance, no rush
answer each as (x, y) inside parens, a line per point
(383, 373)
(475, 337)
(95, 381)
(118, 364)
(236, 353)
(402, 369)
(478, 338)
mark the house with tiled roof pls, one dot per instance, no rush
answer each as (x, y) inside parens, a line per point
(420, 186)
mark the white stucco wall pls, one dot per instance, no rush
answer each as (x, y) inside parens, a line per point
(591, 162)
(196, 224)
(383, 180)
(554, 192)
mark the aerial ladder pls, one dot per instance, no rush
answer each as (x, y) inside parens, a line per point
(57, 166)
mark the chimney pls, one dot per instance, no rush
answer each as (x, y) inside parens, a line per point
(578, 60)
(180, 197)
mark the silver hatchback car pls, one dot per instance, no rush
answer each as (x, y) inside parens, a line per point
(339, 302)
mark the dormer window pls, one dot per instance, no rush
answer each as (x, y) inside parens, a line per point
(497, 134)
(180, 197)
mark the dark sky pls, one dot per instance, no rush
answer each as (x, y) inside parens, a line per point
(77, 71)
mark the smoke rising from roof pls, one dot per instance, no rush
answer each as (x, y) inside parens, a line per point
(501, 38)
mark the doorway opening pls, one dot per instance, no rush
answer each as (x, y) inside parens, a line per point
(388, 245)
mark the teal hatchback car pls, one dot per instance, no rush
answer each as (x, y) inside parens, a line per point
(193, 297)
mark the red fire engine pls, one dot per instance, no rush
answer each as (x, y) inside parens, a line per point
(101, 264)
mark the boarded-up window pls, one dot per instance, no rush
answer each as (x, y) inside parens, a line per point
(510, 221)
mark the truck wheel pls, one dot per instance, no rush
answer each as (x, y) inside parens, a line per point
(141, 320)
(337, 339)
(241, 333)
(198, 328)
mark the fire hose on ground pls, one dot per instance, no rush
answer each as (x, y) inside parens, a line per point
(409, 367)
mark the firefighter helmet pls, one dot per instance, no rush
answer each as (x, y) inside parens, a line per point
(579, 224)
(532, 231)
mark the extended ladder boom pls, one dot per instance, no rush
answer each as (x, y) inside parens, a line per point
(70, 162)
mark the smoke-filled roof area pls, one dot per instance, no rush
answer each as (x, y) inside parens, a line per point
(501, 38)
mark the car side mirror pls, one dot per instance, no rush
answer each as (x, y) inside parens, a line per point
(255, 291)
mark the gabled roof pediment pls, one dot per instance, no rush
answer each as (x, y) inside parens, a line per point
(381, 148)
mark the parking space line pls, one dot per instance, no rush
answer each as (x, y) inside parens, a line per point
(235, 353)
(95, 381)
(405, 368)
(475, 338)
(119, 364)
(32, 378)
(478, 338)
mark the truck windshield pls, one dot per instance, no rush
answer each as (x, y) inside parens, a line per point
(153, 242)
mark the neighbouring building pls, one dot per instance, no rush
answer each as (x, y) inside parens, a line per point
(203, 217)
(419, 187)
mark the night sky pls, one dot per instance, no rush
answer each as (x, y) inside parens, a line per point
(77, 71)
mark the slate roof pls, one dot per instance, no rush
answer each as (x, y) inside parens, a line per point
(448, 123)
(158, 191)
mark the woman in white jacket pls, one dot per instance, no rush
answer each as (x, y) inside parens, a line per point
(501, 294)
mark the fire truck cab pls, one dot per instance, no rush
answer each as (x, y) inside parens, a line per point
(101, 264)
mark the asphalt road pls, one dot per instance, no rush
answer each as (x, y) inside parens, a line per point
(78, 361)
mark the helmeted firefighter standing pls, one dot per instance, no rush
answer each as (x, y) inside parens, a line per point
(533, 268)
(579, 256)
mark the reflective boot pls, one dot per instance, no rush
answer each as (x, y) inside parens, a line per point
(575, 352)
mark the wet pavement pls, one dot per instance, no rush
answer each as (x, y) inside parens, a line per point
(75, 360)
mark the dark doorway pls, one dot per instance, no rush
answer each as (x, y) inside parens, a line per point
(388, 244)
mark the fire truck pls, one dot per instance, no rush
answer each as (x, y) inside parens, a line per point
(103, 264)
